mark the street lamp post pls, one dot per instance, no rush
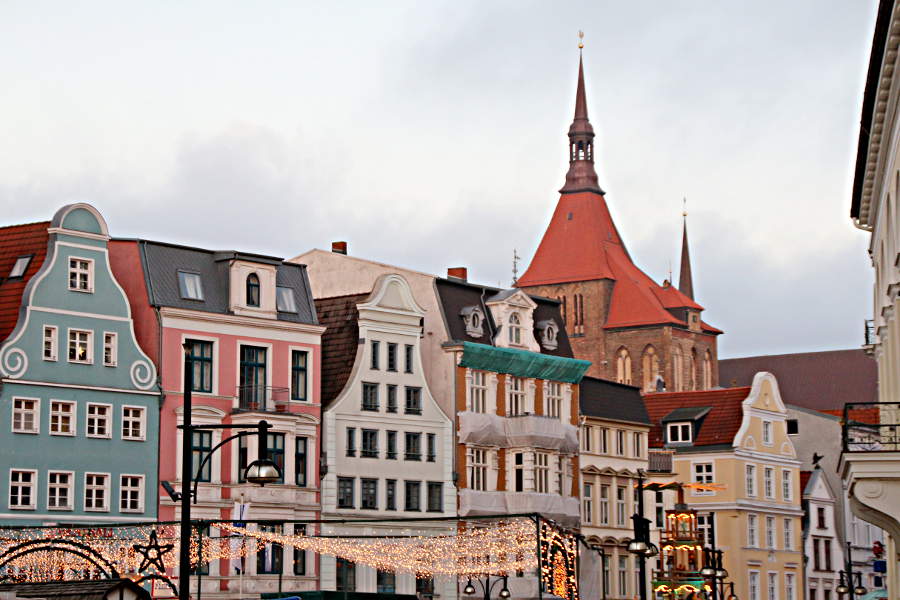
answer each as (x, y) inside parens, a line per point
(846, 587)
(487, 586)
(640, 545)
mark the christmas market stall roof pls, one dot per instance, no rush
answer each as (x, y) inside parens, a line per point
(92, 589)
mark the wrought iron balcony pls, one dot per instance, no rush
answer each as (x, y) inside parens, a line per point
(660, 461)
(263, 398)
(871, 427)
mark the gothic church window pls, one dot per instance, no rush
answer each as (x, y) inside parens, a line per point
(649, 369)
(623, 366)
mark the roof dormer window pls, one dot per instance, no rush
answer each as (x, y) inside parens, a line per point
(548, 331)
(473, 318)
(679, 433)
(20, 267)
(515, 329)
(190, 285)
(252, 289)
(284, 300)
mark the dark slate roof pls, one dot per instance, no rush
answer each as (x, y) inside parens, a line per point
(93, 589)
(339, 342)
(816, 380)
(610, 400)
(686, 413)
(455, 295)
(163, 261)
(15, 241)
(718, 427)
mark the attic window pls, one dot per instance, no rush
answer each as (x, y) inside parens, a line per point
(473, 319)
(190, 285)
(515, 329)
(793, 427)
(679, 433)
(284, 300)
(252, 289)
(20, 267)
(548, 332)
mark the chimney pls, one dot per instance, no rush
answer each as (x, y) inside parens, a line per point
(458, 273)
(339, 247)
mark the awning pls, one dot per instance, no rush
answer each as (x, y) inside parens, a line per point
(523, 363)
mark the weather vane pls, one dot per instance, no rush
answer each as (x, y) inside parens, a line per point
(515, 269)
(580, 39)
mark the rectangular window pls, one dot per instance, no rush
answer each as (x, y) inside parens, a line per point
(660, 510)
(98, 421)
(413, 447)
(368, 498)
(768, 482)
(190, 285)
(637, 439)
(369, 443)
(767, 433)
(516, 395)
(770, 532)
(375, 348)
(253, 379)
(587, 504)
(392, 356)
(22, 489)
(269, 556)
(408, 358)
(132, 423)
(620, 442)
(793, 426)
(385, 582)
(370, 396)
(587, 432)
(820, 517)
(391, 445)
(62, 418)
(96, 492)
(275, 452)
(620, 505)
(703, 474)
(390, 494)
(26, 416)
(298, 374)
(59, 490)
(478, 392)
(753, 585)
(679, 433)
(817, 563)
(413, 400)
(299, 553)
(131, 493)
(201, 356)
(542, 472)
(604, 504)
(201, 446)
(110, 349)
(431, 448)
(789, 587)
(413, 493)
(519, 471)
(300, 455)
(477, 459)
(81, 272)
(351, 441)
(435, 496)
(827, 548)
(750, 479)
(50, 337)
(623, 576)
(284, 299)
(243, 458)
(81, 346)
(604, 440)
(772, 585)
(787, 488)
(345, 492)
(345, 576)
(553, 402)
(752, 531)
(788, 534)
(391, 398)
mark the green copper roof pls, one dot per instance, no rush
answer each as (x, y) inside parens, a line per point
(523, 363)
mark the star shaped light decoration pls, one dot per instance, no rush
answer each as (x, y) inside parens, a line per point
(152, 553)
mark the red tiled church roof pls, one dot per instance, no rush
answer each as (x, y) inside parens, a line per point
(16, 241)
(720, 424)
(804, 480)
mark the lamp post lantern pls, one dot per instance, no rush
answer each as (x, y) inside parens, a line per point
(487, 586)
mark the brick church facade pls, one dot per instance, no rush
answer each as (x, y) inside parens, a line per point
(632, 329)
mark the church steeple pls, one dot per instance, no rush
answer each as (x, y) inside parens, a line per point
(581, 176)
(685, 281)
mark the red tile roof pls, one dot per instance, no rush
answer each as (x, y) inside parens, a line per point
(582, 244)
(719, 426)
(16, 241)
(804, 479)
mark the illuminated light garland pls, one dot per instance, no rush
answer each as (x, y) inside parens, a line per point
(558, 547)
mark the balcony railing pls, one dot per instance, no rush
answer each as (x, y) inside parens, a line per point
(263, 398)
(871, 427)
(660, 461)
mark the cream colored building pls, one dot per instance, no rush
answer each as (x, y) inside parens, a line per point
(870, 464)
(737, 438)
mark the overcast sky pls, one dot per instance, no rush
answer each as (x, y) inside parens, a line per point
(432, 134)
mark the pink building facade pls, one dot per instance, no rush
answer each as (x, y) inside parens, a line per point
(248, 323)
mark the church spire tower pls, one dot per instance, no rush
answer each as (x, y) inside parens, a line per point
(581, 176)
(685, 281)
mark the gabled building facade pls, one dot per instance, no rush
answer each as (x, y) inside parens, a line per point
(821, 545)
(248, 324)
(630, 328)
(387, 445)
(79, 402)
(737, 439)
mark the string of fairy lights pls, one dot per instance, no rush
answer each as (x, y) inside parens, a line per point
(459, 549)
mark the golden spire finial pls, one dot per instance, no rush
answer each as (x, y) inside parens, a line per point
(580, 39)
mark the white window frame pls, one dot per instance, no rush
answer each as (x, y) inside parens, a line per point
(89, 272)
(516, 397)
(769, 483)
(679, 427)
(603, 447)
(637, 440)
(787, 485)
(515, 329)
(790, 586)
(553, 400)
(478, 392)
(89, 360)
(73, 424)
(788, 533)
(587, 503)
(587, 433)
(53, 338)
(701, 477)
(772, 585)
(36, 415)
(17, 271)
(770, 533)
(621, 442)
(478, 463)
(604, 503)
(542, 472)
(750, 480)
(106, 492)
(621, 505)
(140, 492)
(70, 487)
(113, 347)
(752, 530)
(767, 437)
(753, 591)
(33, 485)
(143, 421)
(109, 420)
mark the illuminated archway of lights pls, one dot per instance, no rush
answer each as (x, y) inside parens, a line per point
(474, 548)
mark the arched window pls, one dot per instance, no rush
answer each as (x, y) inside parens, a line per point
(677, 370)
(693, 372)
(649, 369)
(707, 370)
(252, 290)
(623, 366)
(515, 329)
